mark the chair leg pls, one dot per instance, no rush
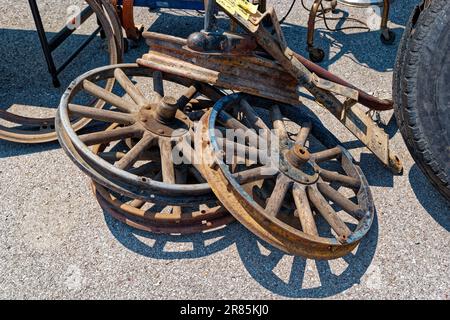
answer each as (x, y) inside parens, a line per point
(133, 31)
(315, 54)
(387, 36)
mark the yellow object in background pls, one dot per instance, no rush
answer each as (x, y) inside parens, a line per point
(240, 7)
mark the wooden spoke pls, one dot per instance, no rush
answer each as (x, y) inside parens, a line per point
(180, 178)
(181, 174)
(176, 211)
(278, 123)
(327, 212)
(147, 168)
(130, 87)
(256, 121)
(326, 155)
(133, 155)
(254, 174)
(101, 115)
(278, 194)
(304, 210)
(244, 151)
(187, 96)
(252, 116)
(158, 84)
(109, 97)
(189, 155)
(337, 198)
(137, 203)
(228, 121)
(113, 156)
(90, 139)
(303, 134)
(196, 174)
(344, 180)
(167, 168)
(239, 137)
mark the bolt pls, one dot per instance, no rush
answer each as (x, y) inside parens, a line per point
(214, 165)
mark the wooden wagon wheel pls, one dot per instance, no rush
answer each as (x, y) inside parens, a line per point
(155, 218)
(159, 126)
(40, 130)
(300, 199)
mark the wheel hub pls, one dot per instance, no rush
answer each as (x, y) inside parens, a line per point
(295, 164)
(164, 119)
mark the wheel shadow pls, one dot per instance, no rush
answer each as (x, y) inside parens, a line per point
(11, 149)
(172, 247)
(262, 261)
(24, 71)
(259, 265)
(26, 85)
(430, 199)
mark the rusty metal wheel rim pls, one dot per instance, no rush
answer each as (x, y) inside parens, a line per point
(267, 226)
(172, 220)
(136, 113)
(126, 212)
(43, 129)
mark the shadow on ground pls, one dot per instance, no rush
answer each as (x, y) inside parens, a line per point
(260, 264)
(429, 198)
(366, 47)
(23, 62)
(159, 246)
(26, 86)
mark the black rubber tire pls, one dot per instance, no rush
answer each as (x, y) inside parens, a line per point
(403, 47)
(421, 89)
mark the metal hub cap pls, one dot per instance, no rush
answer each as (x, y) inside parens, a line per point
(164, 119)
(295, 163)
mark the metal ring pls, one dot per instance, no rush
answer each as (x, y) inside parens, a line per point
(262, 214)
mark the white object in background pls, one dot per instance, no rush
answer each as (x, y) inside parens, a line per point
(361, 3)
(373, 18)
